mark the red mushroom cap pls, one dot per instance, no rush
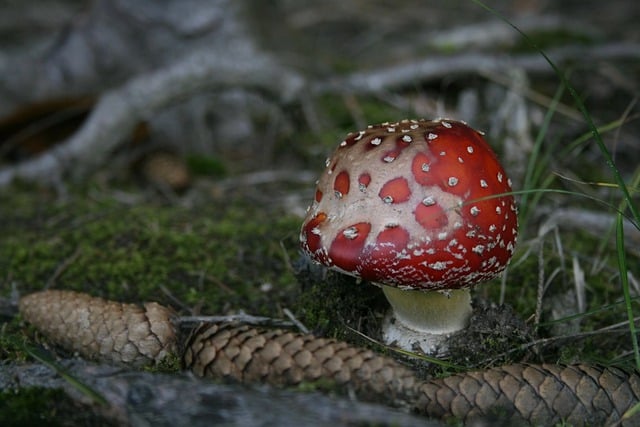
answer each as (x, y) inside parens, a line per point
(410, 204)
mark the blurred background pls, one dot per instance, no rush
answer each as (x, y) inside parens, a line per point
(361, 62)
(167, 150)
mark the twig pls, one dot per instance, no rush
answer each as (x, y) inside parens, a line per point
(191, 321)
(549, 340)
(439, 66)
(62, 267)
(580, 284)
(295, 321)
(598, 223)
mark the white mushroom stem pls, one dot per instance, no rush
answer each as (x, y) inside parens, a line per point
(433, 312)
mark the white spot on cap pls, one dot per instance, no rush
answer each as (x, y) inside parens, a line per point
(453, 181)
(442, 236)
(483, 183)
(350, 233)
(479, 249)
(360, 135)
(389, 159)
(338, 194)
(376, 141)
(327, 162)
(499, 176)
(447, 125)
(432, 136)
(414, 126)
(388, 200)
(316, 231)
(343, 144)
(391, 129)
(498, 210)
(469, 149)
(425, 167)
(474, 210)
(407, 138)
(443, 153)
(460, 160)
(428, 201)
(509, 182)
(440, 265)
(493, 228)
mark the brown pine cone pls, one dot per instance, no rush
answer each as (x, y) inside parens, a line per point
(100, 329)
(247, 354)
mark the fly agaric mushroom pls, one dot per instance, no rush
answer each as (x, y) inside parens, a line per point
(419, 208)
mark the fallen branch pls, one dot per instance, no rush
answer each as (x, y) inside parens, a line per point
(119, 110)
(439, 66)
(595, 223)
(144, 398)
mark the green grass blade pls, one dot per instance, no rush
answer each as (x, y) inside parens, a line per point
(45, 359)
(530, 177)
(624, 280)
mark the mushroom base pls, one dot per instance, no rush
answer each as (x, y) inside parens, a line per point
(396, 334)
(421, 313)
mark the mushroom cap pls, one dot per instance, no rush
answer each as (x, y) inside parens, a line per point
(415, 204)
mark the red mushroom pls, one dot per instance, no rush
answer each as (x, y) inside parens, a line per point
(419, 208)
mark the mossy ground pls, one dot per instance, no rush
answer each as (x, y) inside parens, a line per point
(39, 406)
(230, 251)
(227, 255)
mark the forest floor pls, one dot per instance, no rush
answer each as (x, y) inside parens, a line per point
(226, 241)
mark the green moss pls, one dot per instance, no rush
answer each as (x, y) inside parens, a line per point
(170, 364)
(12, 341)
(215, 256)
(331, 303)
(41, 406)
(204, 165)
